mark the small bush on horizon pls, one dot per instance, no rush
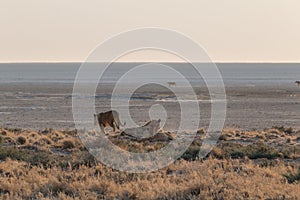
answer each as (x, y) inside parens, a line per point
(14, 130)
(289, 130)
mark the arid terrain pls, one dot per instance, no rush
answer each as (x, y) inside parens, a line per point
(54, 164)
(256, 157)
(45, 105)
(145, 100)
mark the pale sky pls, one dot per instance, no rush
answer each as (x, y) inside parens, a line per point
(229, 30)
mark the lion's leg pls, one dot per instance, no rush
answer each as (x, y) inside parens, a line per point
(116, 127)
(102, 128)
(111, 124)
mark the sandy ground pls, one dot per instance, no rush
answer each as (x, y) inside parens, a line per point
(45, 105)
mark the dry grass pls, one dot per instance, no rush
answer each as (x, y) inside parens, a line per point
(53, 164)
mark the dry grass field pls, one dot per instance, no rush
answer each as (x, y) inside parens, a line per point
(54, 164)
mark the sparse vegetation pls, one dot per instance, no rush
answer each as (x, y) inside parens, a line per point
(54, 164)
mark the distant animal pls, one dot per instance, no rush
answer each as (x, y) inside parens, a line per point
(109, 118)
(171, 84)
(149, 129)
(298, 83)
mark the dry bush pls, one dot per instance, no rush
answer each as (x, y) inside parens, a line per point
(33, 135)
(67, 143)
(261, 136)
(3, 132)
(21, 140)
(292, 178)
(217, 153)
(231, 131)
(283, 129)
(57, 136)
(13, 130)
(45, 141)
(9, 140)
(223, 137)
(275, 131)
(252, 151)
(46, 131)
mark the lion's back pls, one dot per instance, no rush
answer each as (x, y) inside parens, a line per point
(108, 117)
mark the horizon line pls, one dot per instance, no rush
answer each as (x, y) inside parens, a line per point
(217, 62)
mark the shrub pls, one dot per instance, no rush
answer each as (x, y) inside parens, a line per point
(217, 152)
(68, 144)
(252, 151)
(37, 158)
(223, 137)
(293, 177)
(9, 140)
(21, 140)
(46, 131)
(3, 133)
(44, 141)
(261, 150)
(289, 130)
(280, 128)
(14, 130)
(192, 153)
(11, 152)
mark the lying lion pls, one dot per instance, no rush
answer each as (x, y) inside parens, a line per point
(146, 131)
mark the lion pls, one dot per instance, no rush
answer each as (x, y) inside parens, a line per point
(147, 130)
(109, 118)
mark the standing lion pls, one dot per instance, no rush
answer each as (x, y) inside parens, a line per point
(109, 118)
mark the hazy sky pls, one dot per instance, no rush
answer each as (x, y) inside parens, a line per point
(230, 30)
